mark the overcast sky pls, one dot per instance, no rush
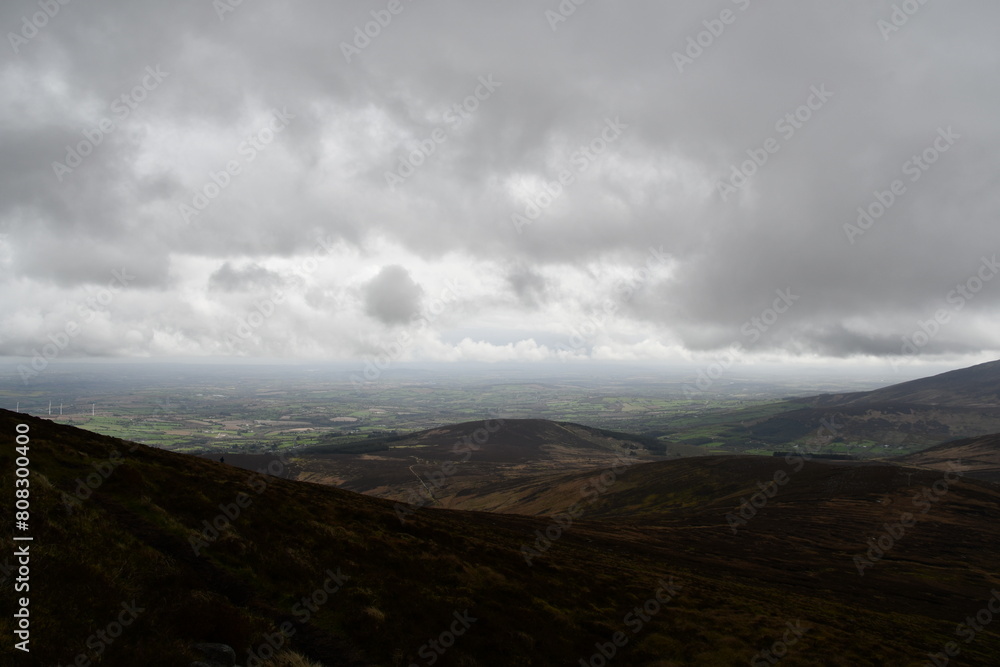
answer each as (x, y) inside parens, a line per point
(517, 180)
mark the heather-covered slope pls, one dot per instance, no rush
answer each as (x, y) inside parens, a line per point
(979, 457)
(350, 584)
(974, 387)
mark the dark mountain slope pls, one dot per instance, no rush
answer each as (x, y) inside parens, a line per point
(976, 386)
(894, 420)
(137, 539)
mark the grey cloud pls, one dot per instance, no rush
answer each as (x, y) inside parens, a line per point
(530, 286)
(249, 277)
(838, 341)
(392, 296)
(323, 176)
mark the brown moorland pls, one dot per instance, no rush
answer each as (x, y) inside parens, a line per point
(140, 538)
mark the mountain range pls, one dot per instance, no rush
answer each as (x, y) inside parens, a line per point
(898, 419)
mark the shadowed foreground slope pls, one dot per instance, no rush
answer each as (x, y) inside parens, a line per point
(406, 593)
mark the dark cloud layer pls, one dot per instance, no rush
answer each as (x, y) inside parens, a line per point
(209, 151)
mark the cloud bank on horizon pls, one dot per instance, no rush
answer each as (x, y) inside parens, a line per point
(444, 180)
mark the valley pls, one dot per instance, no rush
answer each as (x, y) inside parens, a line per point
(532, 541)
(258, 409)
